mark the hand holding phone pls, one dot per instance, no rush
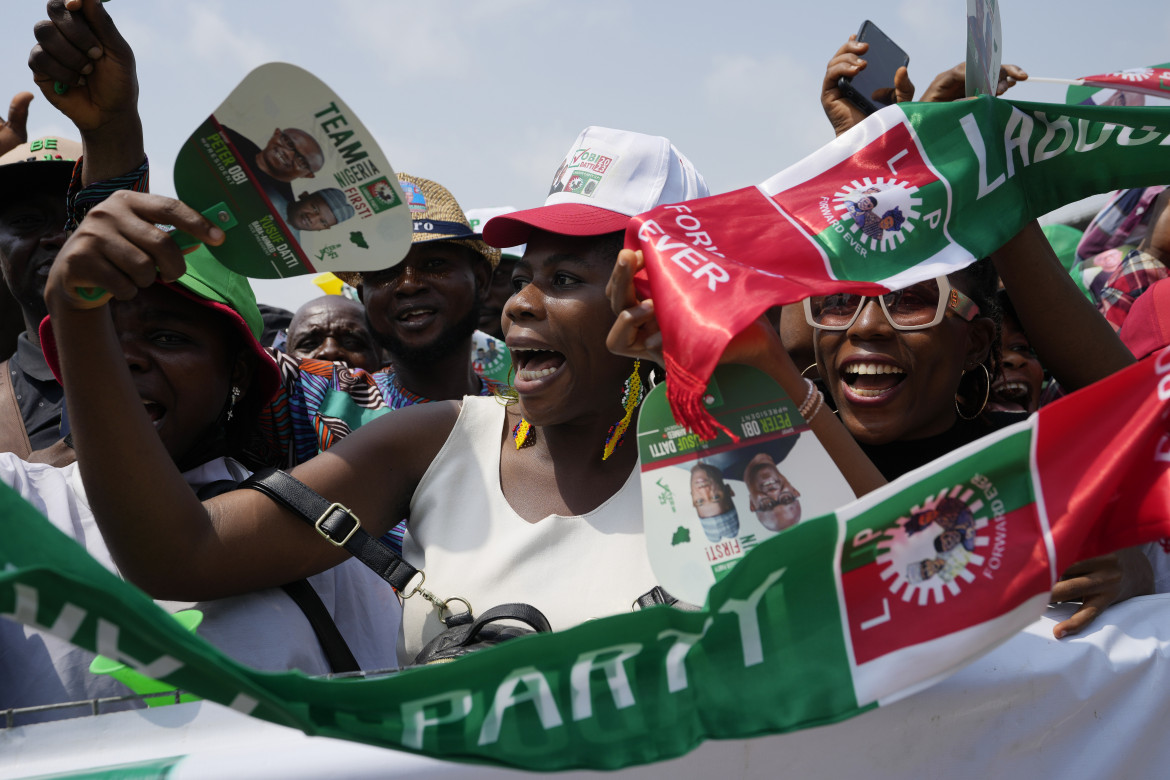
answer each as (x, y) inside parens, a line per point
(873, 86)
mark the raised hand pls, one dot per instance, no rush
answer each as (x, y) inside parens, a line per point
(79, 47)
(952, 84)
(80, 50)
(635, 333)
(13, 131)
(849, 61)
(118, 249)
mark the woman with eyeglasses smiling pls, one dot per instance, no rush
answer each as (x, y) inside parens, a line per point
(894, 365)
(910, 372)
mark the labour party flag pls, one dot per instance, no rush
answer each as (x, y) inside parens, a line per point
(840, 614)
(915, 191)
(1153, 80)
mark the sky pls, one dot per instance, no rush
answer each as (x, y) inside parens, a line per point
(486, 97)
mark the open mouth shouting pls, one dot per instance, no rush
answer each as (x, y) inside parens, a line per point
(155, 411)
(535, 367)
(1010, 396)
(870, 381)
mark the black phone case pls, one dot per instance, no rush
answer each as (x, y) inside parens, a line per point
(845, 84)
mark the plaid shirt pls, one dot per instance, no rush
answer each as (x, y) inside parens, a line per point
(1132, 278)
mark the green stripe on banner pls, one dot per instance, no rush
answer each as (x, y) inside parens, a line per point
(1019, 160)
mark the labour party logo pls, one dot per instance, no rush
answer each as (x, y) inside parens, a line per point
(879, 213)
(931, 552)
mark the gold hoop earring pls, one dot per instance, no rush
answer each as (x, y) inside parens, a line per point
(809, 367)
(986, 395)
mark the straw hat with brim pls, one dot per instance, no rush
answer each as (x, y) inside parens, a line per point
(208, 283)
(437, 217)
(43, 162)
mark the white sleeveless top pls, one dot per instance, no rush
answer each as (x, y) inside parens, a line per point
(471, 543)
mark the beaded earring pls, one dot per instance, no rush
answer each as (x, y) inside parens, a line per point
(631, 396)
(523, 434)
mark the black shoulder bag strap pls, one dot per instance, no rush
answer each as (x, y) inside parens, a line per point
(337, 652)
(337, 524)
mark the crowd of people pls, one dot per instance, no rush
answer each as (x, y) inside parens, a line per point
(133, 421)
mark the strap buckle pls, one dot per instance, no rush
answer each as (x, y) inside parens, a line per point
(422, 578)
(334, 507)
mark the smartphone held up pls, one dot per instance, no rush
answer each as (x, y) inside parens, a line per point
(873, 87)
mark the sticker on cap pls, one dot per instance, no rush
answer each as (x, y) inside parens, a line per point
(581, 172)
(414, 196)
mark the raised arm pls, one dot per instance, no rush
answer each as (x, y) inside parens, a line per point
(80, 48)
(1071, 338)
(1078, 346)
(636, 333)
(160, 535)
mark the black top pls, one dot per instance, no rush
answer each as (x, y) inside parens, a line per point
(37, 393)
(898, 457)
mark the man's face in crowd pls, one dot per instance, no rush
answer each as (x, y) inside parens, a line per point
(32, 231)
(490, 320)
(310, 212)
(428, 304)
(333, 328)
(290, 154)
(709, 493)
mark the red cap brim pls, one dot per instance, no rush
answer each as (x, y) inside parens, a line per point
(566, 219)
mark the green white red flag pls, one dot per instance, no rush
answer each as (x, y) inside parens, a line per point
(914, 191)
(831, 618)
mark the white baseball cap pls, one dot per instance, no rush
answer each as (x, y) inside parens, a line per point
(607, 177)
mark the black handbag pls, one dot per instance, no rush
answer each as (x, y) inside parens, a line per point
(466, 634)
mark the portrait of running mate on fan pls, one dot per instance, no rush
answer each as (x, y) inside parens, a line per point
(556, 524)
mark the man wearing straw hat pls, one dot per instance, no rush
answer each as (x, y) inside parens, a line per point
(422, 311)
